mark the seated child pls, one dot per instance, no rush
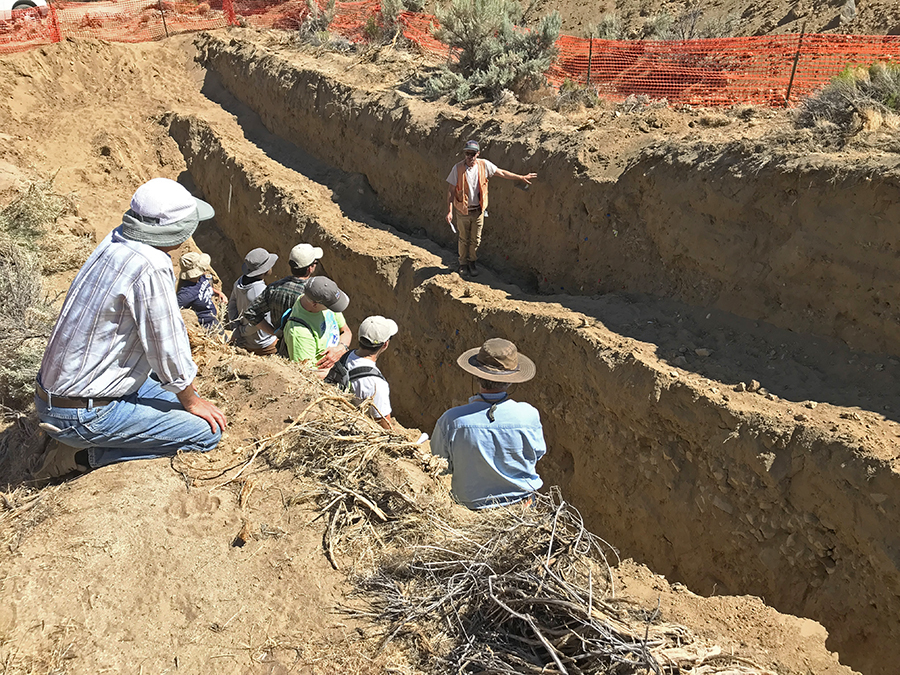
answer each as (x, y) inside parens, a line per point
(195, 290)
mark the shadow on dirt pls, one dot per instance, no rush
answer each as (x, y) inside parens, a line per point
(351, 191)
(736, 351)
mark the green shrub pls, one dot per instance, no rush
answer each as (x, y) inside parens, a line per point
(317, 20)
(495, 53)
(856, 91)
(609, 27)
(691, 24)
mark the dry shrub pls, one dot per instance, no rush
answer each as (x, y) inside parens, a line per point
(91, 21)
(26, 316)
(33, 210)
(65, 251)
(858, 99)
(25, 322)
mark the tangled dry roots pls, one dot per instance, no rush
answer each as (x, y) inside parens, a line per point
(519, 589)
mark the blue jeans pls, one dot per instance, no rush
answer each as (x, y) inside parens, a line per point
(147, 424)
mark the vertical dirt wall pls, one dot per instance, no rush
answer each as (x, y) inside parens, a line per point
(802, 242)
(704, 490)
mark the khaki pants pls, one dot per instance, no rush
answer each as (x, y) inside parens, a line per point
(469, 228)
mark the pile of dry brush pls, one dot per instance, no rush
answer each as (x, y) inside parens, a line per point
(521, 589)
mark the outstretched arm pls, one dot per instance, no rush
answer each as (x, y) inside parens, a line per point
(509, 175)
(334, 354)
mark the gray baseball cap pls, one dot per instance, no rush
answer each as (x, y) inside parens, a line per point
(324, 291)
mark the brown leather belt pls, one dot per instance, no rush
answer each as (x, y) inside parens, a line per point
(70, 402)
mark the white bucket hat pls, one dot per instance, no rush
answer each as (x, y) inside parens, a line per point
(163, 213)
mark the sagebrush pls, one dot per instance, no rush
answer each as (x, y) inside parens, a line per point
(27, 250)
(495, 52)
(855, 95)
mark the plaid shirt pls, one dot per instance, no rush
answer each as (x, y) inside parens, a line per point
(119, 321)
(275, 300)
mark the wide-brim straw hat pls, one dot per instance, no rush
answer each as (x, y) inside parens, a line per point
(497, 360)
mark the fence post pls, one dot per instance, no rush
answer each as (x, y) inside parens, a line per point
(787, 98)
(54, 22)
(228, 8)
(163, 15)
(590, 56)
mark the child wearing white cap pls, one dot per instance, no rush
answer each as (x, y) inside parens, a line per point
(366, 380)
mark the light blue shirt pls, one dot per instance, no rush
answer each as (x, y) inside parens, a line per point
(492, 462)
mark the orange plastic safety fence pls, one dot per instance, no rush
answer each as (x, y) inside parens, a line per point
(698, 72)
(716, 72)
(27, 28)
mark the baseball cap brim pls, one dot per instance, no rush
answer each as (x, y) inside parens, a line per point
(340, 304)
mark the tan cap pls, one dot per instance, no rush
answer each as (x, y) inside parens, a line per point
(193, 265)
(497, 360)
(374, 331)
(304, 255)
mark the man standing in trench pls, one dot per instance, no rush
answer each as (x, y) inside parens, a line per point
(117, 379)
(468, 194)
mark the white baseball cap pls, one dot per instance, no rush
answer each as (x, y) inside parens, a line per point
(376, 330)
(304, 255)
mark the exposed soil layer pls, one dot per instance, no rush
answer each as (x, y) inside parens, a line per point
(727, 491)
(730, 492)
(646, 205)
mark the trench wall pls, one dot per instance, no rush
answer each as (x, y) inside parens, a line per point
(704, 491)
(776, 238)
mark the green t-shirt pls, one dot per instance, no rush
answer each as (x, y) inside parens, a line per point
(309, 344)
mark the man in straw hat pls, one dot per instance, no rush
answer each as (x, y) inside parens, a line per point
(257, 265)
(196, 291)
(492, 443)
(117, 380)
(279, 297)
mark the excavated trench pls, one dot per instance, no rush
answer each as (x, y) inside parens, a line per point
(729, 492)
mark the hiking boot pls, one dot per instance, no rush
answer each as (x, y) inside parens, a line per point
(57, 461)
(473, 269)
